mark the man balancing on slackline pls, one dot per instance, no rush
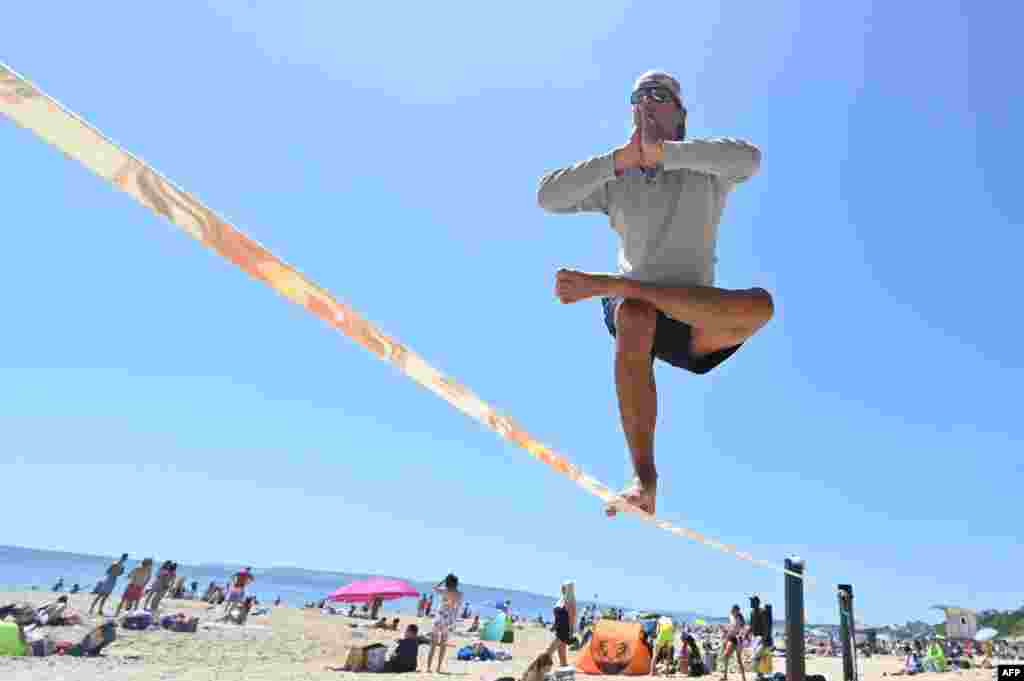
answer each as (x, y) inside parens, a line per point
(664, 196)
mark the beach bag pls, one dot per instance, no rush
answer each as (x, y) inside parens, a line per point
(138, 621)
(376, 657)
(43, 647)
(10, 642)
(465, 653)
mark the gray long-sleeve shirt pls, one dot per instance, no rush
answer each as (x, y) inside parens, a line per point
(668, 227)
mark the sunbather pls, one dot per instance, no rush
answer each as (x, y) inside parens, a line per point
(52, 613)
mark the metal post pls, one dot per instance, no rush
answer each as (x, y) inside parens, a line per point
(847, 631)
(795, 663)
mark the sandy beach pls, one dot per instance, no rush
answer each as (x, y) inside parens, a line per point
(291, 643)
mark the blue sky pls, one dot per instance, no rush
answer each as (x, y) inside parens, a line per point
(393, 155)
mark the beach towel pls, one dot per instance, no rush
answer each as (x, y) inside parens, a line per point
(476, 652)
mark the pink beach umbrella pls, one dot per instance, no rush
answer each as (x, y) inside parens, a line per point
(376, 587)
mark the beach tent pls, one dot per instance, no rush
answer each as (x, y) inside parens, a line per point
(615, 648)
(494, 630)
(367, 590)
(961, 623)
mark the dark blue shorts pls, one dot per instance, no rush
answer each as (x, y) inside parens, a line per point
(672, 341)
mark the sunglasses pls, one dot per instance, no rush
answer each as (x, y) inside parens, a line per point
(659, 94)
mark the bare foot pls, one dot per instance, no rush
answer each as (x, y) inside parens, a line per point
(636, 495)
(572, 286)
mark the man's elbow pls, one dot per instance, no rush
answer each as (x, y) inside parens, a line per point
(548, 202)
(755, 160)
(748, 162)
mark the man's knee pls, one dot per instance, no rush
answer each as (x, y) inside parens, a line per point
(635, 323)
(763, 306)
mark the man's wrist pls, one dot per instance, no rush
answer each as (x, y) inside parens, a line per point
(620, 160)
(654, 154)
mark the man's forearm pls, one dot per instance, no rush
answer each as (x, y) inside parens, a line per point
(732, 158)
(564, 188)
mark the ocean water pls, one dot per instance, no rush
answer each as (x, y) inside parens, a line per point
(22, 569)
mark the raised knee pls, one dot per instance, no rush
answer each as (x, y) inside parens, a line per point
(764, 305)
(635, 322)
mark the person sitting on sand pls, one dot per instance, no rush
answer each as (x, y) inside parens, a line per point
(382, 623)
(935, 660)
(406, 655)
(52, 613)
(137, 580)
(911, 662)
(106, 586)
(75, 589)
(475, 627)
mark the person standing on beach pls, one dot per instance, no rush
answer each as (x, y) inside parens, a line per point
(236, 592)
(444, 620)
(162, 583)
(664, 196)
(106, 585)
(734, 635)
(137, 580)
(565, 622)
